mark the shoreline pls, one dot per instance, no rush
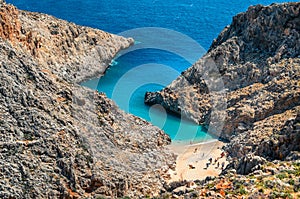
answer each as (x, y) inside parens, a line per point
(197, 143)
(192, 161)
(106, 64)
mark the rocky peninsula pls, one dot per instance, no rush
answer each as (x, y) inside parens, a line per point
(58, 139)
(249, 81)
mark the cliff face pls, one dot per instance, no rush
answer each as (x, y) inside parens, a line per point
(60, 140)
(249, 79)
(73, 52)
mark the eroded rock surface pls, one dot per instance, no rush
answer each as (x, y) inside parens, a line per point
(74, 52)
(247, 86)
(58, 139)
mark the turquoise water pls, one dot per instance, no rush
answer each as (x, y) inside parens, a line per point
(156, 62)
(127, 81)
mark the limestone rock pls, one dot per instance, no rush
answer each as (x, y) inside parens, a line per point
(249, 164)
(246, 88)
(58, 139)
(275, 137)
(254, 64)
(72, 52)
(257, 58)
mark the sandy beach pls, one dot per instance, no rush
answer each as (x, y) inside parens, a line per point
(193, 159)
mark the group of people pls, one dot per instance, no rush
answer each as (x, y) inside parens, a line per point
(210, 161)
(216, 161)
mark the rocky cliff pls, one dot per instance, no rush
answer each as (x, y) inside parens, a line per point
(246, 89)
(80, 52)
(58, 139)
(248, 81)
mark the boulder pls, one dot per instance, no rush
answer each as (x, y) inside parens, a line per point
(249, 164)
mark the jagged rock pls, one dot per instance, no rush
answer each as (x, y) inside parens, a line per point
(293, 155)
(249, 164)
(58, 139)
(257, 57)
(173, 185)
(180, 191)
(80, 52)
(246, 88)
(255, 61)
(275, 137)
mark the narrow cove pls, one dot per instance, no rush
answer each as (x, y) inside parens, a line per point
(201, 20)
(131, 75)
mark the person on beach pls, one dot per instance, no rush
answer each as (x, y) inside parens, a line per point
(191, 166)
(210, 160)
(218, 164)
(223, 164)
(222, 154)
(207, 165)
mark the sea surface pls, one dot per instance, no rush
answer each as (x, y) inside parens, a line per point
(169, 35)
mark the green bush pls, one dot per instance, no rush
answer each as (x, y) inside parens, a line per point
(292, 182)
(209, 186)
(282, 176)
(242, 191)
(297, 171)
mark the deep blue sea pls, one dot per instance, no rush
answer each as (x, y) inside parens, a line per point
(181, 32)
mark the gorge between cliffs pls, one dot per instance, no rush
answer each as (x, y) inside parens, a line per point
(62, 140)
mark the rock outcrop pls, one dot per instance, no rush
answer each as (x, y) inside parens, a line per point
(80, 52)
(249, 82)
(58, 139)
(248, 88)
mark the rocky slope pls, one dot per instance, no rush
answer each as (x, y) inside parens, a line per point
(80, 52)
(58, 139)
(246, 88)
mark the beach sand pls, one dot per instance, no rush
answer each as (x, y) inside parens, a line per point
(192, 160)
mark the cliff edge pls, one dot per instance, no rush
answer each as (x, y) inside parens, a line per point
(58, 139)
(249, 80)
(246, 89)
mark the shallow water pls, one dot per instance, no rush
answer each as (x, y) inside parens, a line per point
(157, 62)
(131, 79)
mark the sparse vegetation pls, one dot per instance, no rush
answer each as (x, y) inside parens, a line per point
(242, 191)
(284, 184)
(127, 197)
(282, 176)
(292, 182)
